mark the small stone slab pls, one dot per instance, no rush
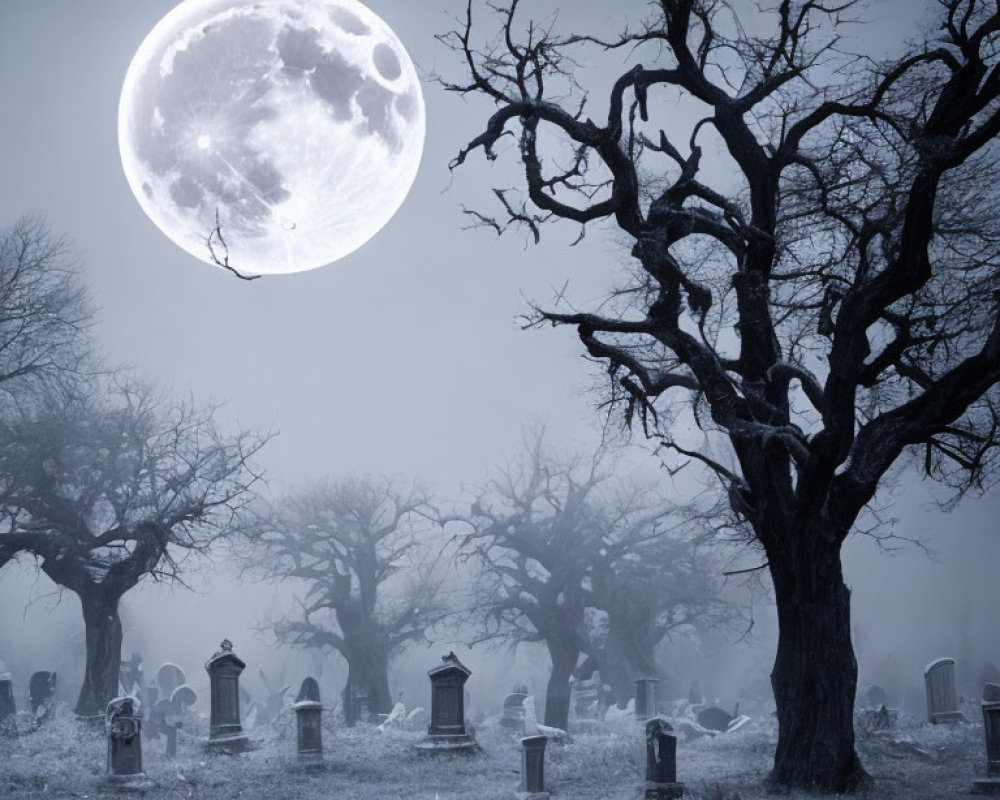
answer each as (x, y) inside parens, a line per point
(991, 693)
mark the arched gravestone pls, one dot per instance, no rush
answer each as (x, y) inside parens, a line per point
(875, 696)
(124, 729)
(447, 733)
(168, 677)
(661, 761)
(513, 713)
(225, 731)
(41, 687)
(942, 702)
(308, 720)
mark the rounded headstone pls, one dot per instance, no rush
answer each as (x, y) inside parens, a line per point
(169, 677)
(183, 698)
(991, 693)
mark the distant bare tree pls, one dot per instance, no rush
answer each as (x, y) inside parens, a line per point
(44, 310)
(104, 491)
(363, 550)
(827, 309)
(553, 541)
(663, 586)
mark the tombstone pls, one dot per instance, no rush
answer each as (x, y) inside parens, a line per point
(130, 675)
(308, 718)
(41, 687)
(942, 703)
(533, 768)
(225, 732)
(513, 714)
(661, 761)
(169, 677)
(355, 705)
(991, 728)
(587, 696)
(447, 733)
(8, 708)
(875, 696)
(124, 729)
(714, 718)
(645, 698)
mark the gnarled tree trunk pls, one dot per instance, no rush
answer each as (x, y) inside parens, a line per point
(564, 655)
(104, 651)
(368, 670)
(815, 673)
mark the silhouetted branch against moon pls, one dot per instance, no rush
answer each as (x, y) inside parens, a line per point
(216, 236)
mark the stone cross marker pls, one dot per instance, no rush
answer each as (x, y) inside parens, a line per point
(447, 729)
(942, 703)
(225, 731)
(124, 728)
(645, 698)
(308, 718)
(661, 761)
(533, 768)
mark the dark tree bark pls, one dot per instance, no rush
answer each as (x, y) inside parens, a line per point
(103, 630)
(100, 492)
(833, 316)
(564, 653)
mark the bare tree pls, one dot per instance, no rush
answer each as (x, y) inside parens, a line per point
(362, 547)
(553, 543)
(44, 311)
(533, 536)
(661, 585)
(104, 492)
(828, 309)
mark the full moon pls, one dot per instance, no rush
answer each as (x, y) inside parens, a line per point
(297, 124)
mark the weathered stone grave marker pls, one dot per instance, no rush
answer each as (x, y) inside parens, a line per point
(168, 677)
(447, 733)
(124, 729)
(8, 708)
(714, 718)
(41, 687)
(991, 728)
(645, 698)
(225, 731)
(533, 768)
(587, 696)
(875, 697)
(942, 702)
(661, 761)
(308, 720)
(513, 714)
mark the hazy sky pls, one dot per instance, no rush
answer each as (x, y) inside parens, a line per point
(403, 358)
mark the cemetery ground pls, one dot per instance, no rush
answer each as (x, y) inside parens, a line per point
(66, 759)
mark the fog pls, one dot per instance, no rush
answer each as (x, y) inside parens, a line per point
(404, 359)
